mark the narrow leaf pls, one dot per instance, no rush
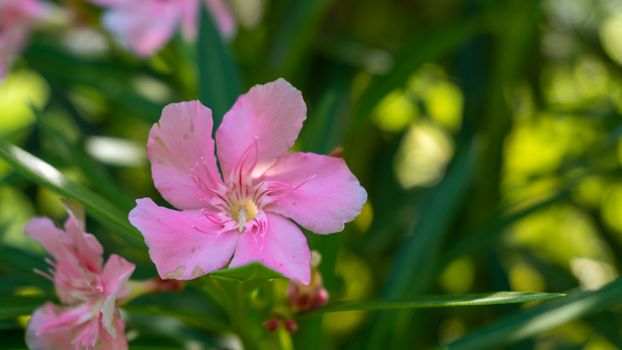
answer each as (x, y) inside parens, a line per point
(219, 80)
(296, 34)
(541, 318)
(46, 175)
(15, 306)
(112, 78)
(413, 268)
(99, 177)
(196, 320)
(420, 250)
(442, 301)
(248, 272)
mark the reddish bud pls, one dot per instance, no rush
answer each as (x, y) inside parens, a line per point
(309, 297)
(337, 152)
(272, 325)
(320, 298)
(291, 326)
(306, 298)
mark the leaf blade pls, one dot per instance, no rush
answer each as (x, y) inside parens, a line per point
(296, 35)
(421, 250)
(496, 298)
(538, 319)
(253, 271)
(46, 175)
(219, 80)
(12, 306)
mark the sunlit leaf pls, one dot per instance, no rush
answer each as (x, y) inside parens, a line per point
(412, 268)
(46, 175)
(541, 318)
(441, 301)
(98, 176)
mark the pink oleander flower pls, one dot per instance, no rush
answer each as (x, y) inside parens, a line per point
(88, 290)
(243, 216)
(146, 25)
(17, 17)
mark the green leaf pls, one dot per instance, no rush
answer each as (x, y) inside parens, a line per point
(420, 249)
(413, 268)
(46, 175)
(428, 46)
(248, 272)
(295, 35)
(196, 320)
(98, 176)
(20, 262)
(66, 71)
(219, 80)
(541, 318)
(436, 301)
(15, 306)
(325, 128)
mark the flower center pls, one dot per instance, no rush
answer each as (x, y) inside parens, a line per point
(243, 211)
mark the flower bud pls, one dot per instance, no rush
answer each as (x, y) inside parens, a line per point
(291, 326)
(272, 325)
(306, 298)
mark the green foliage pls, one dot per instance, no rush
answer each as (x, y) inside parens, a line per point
(538, 319)
(219, 82)
(46, 175)
(250, 272)
(427, 47)
(505, 113)
(14, 306)
(496, 298)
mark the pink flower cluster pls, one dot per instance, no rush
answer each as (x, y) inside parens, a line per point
(17, 17)
(146, 25)
(88, 290)
(246, 215)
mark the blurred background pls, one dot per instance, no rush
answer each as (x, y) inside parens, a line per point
(487, 134)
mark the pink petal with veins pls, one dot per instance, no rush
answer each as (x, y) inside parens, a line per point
(270, 115)
(323, 195)
(281, 247)
(182, 244)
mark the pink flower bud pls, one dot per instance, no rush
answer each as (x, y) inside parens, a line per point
(272, 325)
(291, 326)
(306, 298)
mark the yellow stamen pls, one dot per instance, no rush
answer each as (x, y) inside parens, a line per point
(243, 212)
